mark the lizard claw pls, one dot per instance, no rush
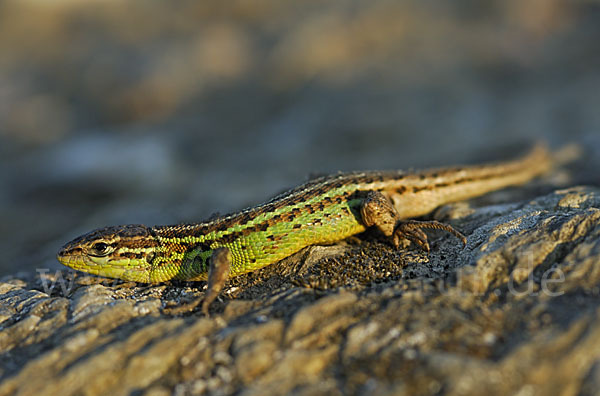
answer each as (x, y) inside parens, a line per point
(413, 231)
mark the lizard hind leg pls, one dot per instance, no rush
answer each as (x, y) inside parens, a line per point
(413, 231)
(378, 211)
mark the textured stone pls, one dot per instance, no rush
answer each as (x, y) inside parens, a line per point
(517, 311)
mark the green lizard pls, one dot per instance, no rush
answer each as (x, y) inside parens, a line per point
(321, 211)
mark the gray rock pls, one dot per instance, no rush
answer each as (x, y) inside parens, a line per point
(514, 312)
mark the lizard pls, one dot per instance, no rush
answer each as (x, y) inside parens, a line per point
(321, 211)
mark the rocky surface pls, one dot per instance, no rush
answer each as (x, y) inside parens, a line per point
(165, 112)
(514, 312)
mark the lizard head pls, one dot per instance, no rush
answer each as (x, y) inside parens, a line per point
(124, 252)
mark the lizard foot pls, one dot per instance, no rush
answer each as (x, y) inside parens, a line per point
(218, 272)
(378, 211)
(412, 230)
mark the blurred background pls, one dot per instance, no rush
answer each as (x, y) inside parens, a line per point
(163, 112)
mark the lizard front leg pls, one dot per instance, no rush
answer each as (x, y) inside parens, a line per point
(218, 272)
(376, 210)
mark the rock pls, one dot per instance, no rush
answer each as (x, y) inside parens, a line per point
(517, 311)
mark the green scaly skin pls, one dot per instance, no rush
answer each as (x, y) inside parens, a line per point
(322, 211)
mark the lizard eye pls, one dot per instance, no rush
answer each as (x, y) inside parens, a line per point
(100, 249)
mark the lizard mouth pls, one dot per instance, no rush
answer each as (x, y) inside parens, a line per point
(77, 261)
(104, 266)
(70, 258)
